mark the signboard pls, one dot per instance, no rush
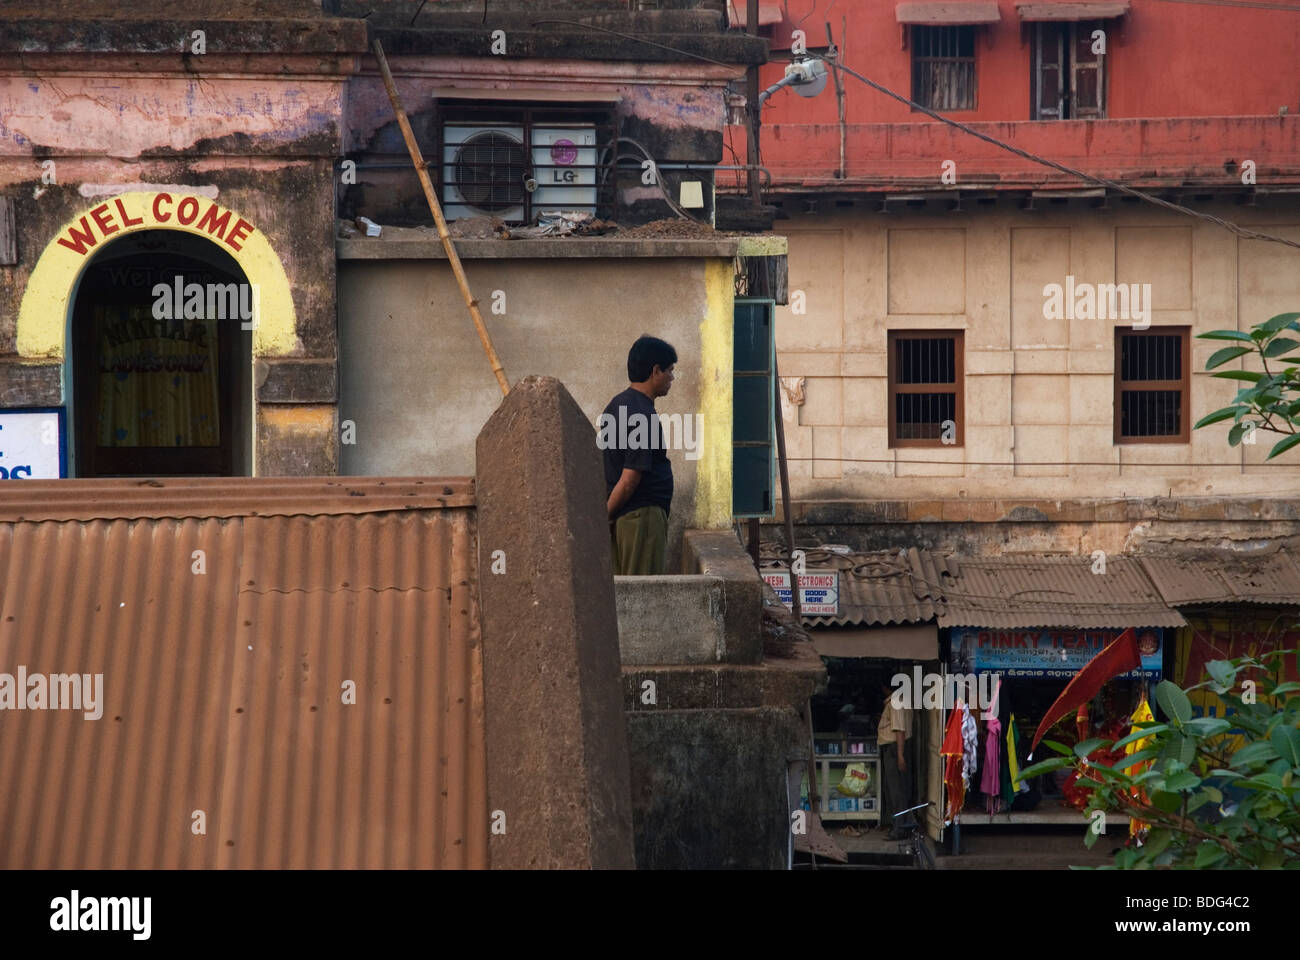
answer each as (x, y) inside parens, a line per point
(33, 444)
(819, 591)
(1045, 653)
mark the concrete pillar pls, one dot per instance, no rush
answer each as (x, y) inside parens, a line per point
(557, 755)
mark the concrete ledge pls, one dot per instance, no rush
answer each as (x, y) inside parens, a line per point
(411, 243)
(1020, 510)
(671, 619)
(717, 553)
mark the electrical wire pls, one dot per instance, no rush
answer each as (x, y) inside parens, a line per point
(1024, 154)
(1034, 463)
(1071, 171)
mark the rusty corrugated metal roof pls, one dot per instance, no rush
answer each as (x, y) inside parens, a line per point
(884, 587)
(1018, 592)
(1222, 576)
(223, 689)
(227, 497)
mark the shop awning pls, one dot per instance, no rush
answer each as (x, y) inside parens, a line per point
(1082, 10)
(1016, 592)
(955, 13)
(918, 642)
(887, 587)
(769, 12)
(1221, 576)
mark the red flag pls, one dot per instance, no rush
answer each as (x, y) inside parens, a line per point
(1119, 656)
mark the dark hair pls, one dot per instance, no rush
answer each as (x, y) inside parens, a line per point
(647, 353)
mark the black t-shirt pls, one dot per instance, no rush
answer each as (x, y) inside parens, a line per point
(631, 438)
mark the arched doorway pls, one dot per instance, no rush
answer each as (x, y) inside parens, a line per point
(160, 344)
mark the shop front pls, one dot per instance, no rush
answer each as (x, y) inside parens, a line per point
(1015, 675)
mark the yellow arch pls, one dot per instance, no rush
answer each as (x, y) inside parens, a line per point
(43, 314)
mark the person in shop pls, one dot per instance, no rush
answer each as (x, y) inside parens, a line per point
(892, 734)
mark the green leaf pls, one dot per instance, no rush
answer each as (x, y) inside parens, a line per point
(1086, 747)
(1059, 748)
(1254, 753)
(1208, 854)
(1147, 753)
(1236, 433)
(1046, 766)
(1208, 726)
(1248, 375)
(1223, 671)
(1278, 347)
(1139, 734)
(1220, 357)
(1166, 801)
(1214, 793)
(1289, 687)
(1183, 781)
(1157, 842)
(1286, 741)
(1222, 414)
(1173, 701)
(1283, 445)
(1274, 324)
(1225, 335)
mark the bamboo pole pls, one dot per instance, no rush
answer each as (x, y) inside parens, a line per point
(418, 159)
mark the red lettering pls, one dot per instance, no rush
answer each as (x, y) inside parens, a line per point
(126, 220)
(212, 223)
(194, 210)
(103, 220)
(983, 638)
(80, 242)
(238, 232)
(157, 213)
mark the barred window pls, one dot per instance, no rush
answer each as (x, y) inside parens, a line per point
(925, 388)
(943, 67)
(1152, 385)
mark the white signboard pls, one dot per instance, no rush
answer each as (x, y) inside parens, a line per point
(819, 591)
(32, 445)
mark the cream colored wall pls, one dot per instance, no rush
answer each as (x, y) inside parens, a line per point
(1039, 393)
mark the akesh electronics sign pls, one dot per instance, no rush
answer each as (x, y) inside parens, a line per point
(1047, 653)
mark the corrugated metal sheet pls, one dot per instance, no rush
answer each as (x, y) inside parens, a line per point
(1223, 577)
(1080, 10)
(222, 690)
(955, 12)
(884, 587)
(1054, 592)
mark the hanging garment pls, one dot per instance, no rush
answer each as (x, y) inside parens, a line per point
(953, 754)
(990, 784)
(969, 745)
(1013, 758)
(1138, 828)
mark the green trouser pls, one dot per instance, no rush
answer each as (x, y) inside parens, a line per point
(639, 540)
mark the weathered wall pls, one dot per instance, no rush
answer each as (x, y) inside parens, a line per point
(416, 385)
(1039, 393)
(262, 146)
(675, 111)
(1169, 61)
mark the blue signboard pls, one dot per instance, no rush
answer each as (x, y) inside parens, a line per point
(1045, 652)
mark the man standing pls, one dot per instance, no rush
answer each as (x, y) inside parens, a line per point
(638, 475)
(892, 734)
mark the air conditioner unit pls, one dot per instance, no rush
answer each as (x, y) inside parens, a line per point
(489, 170)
